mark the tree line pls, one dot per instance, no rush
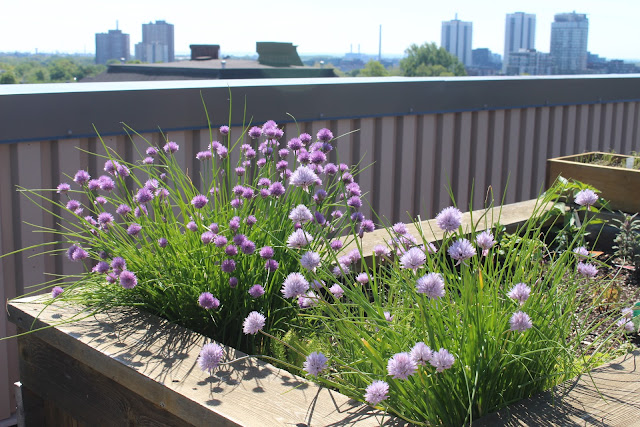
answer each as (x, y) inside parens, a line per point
(16, 68)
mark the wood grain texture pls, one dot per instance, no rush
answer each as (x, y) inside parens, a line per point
(156, 362)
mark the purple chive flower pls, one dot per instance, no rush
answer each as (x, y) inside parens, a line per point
(81, 177)
(147, 161)
(276, 189)
(421, 353)
(122, 170)
(295, 284)
(220, 241)
(336, 290)
(162, 242)
(208, 301)
(144, 195)
(308, 300)
(336, 244)
(73, 205)
(210, 357)
(123, 209)
(271, 265)
(316, 362)
(214, 145)
(151, 151)
(461, 250)
(207, 237)
(128, 280)
(228, 266)
(295, 144)
(110, 166)
(581, 251)
(224, 130)
(112, 278)
(520, 321)
(203, 155)
(387, 316)
(299, 239)
(367, 226)
(105, 219)
(56, 291)
(140, 211)
(432, 285)
(357, 217)
(442, 360)
(626, 324)
(231, 250)
(300, 214)
(233, 282)
(587, 270)
(485, 241)
(362, 278)
(134, 229)
(354, 202)
(354, 256)
(303, 177)
(63, 187)
(236, 203)
(248, 247)
(255, 132)
(449, 219)
(317, 157)
(253, 323)
(310, 260)
(76, 253)
(381, 251)
(266, 252)
(199, 201)
(234, 224)
(586, 198)
(376, 392)
(239, 239)
(192, 226)
(324, 135)
(520, 292)
(264, 182)
(118, 264)
(256, 291)
(222, 152)
(170, 147)
(250, 220)
(90, 220)
(101, 267)
(100, 200)
(93, 184)
(399, 228)
(330, 169)
(401, 366)
(413, 259)
(627, 313)
(213, 227)
(248, 193)
(106, 183)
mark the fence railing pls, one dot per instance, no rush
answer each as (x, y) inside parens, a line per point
(422, 136)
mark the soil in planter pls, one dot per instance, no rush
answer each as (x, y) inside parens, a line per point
(613, 160)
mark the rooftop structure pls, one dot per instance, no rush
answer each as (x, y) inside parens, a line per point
(456, 39)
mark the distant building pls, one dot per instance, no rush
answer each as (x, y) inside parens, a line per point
(201, 52)
(529, 62)
(157, 43)
(569, 33)
(112, 45)
(456, 39)
(484, 63)
(519, 33)
(277, 54)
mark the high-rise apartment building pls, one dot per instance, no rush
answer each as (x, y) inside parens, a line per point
(157, 43)
(519, 33)
(569, 33)
(112, 45)
(456, 39)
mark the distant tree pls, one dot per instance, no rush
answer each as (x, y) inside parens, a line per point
(374, 69)
(429, 60)
(8, 78)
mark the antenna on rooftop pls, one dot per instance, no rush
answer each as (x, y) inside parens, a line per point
(116, 24)
(380, 44)
(456, 16)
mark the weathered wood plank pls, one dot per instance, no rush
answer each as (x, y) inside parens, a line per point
(157, 361)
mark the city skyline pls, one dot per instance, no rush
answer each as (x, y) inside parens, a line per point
(331, 28)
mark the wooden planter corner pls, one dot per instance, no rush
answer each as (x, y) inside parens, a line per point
(127, 367)
(617, 185)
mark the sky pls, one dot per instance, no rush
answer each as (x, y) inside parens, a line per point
(320, 26)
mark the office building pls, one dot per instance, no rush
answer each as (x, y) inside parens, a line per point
(529, 62)
(569, 33)
(456, 39)
(519, 33)
(157, 43)
(112, 45)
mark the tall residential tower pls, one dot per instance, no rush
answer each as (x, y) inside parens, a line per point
(157, 43)
(569, 34)
(456, 39)
(519, 33)
(112, 45)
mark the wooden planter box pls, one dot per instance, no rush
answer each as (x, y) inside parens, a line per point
(130, 368)
(618, 185)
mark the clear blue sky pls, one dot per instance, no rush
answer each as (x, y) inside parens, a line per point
(319, 26)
